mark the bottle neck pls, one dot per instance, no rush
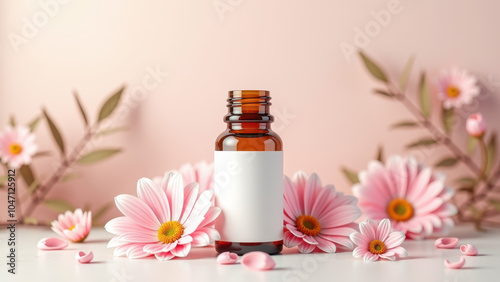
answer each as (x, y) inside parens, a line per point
(248, 111)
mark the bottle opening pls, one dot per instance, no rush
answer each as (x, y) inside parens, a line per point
(249, 106)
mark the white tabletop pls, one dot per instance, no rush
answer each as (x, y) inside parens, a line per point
(425, 263)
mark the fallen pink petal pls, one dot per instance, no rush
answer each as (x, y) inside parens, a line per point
(455, 265)
(446, 242)
(52, 243)
(227, 258)
(258, 261)
(81, 257)
(468, 250)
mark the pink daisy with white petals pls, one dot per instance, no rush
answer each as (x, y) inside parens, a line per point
(73, 226)
(164, 220)
(201, 172)
(316, 217)
(456, 88)
(409, 194)
(17, 146)
(376, 241)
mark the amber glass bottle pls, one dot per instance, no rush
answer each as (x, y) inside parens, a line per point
(249, 177)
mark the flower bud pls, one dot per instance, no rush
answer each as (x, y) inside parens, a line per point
(475, 125)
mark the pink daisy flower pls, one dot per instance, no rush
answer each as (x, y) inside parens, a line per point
(456, 88)
(73, 226)
(410, 195)
(316, 217)
(377, 241)
(17, 146)
(164, 220)
(201, 172)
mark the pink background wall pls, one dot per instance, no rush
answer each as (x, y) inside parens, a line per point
(291, 48)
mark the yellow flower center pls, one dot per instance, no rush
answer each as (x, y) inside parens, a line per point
(15, 148)
(170, 232)
(308, 225)
(71, 228)
(452, 91)
(377, 247)
(400, 210)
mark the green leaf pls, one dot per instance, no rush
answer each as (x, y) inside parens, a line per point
(80, 106)
(383, 93)
(110, 130)
(406, 74)
(69, 177)
(97, 155)
(3, 178)
(351, 175)
(422, 142)
(32, 125)
(406, 123)
(58, 205)
(42, 154)
(466, 181)
(375, 70)
(110, 105)
(466, 189)
(27, 174)
(491, 151)
(32, 188)
(471, 144)
(495, 204)
(424, 96)
(55, 132)
(30, 220)
(380, 154)
(12, 121)
(448, 119)
(446, 162)
(100, 212)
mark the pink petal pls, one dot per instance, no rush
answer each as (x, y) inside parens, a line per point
(468, 250)
(157, 248)
(369, 257)
(164, 256)
(137, 210)
(124, 224)
(210, 216)
(400, 251)
(181, 250)
(200, 239)
(135, 251)
(359, 252)
(383, 229)
(52, 243)
(388, 255)
(394, 239)
(446, 242)
(455, 265)
(177, 198)
(135, 237)
(258, 261)
(310, 240)
(191, 194)
(325, 245)
(291, 198)
(227, 258)
(368, 229)
(155, 198)
(295, 231)
(341, 240)
(322, 200)
(306, 248)
(290, 241)
(81, 257)
(359, 239)
(340, 215)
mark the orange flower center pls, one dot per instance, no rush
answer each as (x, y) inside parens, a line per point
(452, 91)
(377, 247)
(308, 225)
(71, 228)
(400, 210)
(15, 148)
(170, 232)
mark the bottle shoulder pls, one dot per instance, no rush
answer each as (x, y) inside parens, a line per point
(267, 140)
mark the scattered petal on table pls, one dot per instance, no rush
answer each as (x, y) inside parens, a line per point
(446, 242)
(468, 250)
(52, 243)
(455, 265)
(227, 258)
(258, 261)
(81, 257)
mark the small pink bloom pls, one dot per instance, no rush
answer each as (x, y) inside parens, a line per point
(317, 217)
(377, 241)
(476, 126)
(446, 243)
(456, 88)
(414, 198)
(201, 173)
(52, 243)
(455, 265)
(81, 257)
(73, 226)
(469, 250)
(227, 258)
(258, 261)
(17, 146)
(164, 220)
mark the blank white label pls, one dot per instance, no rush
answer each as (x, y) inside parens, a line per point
(249, 190)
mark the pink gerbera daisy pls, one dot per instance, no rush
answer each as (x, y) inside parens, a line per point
(456, 88)
(201, 172)
(317, 217)
(377, 241)
(17, 146)
(164, 220)
(73, 226)
(410, 195)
